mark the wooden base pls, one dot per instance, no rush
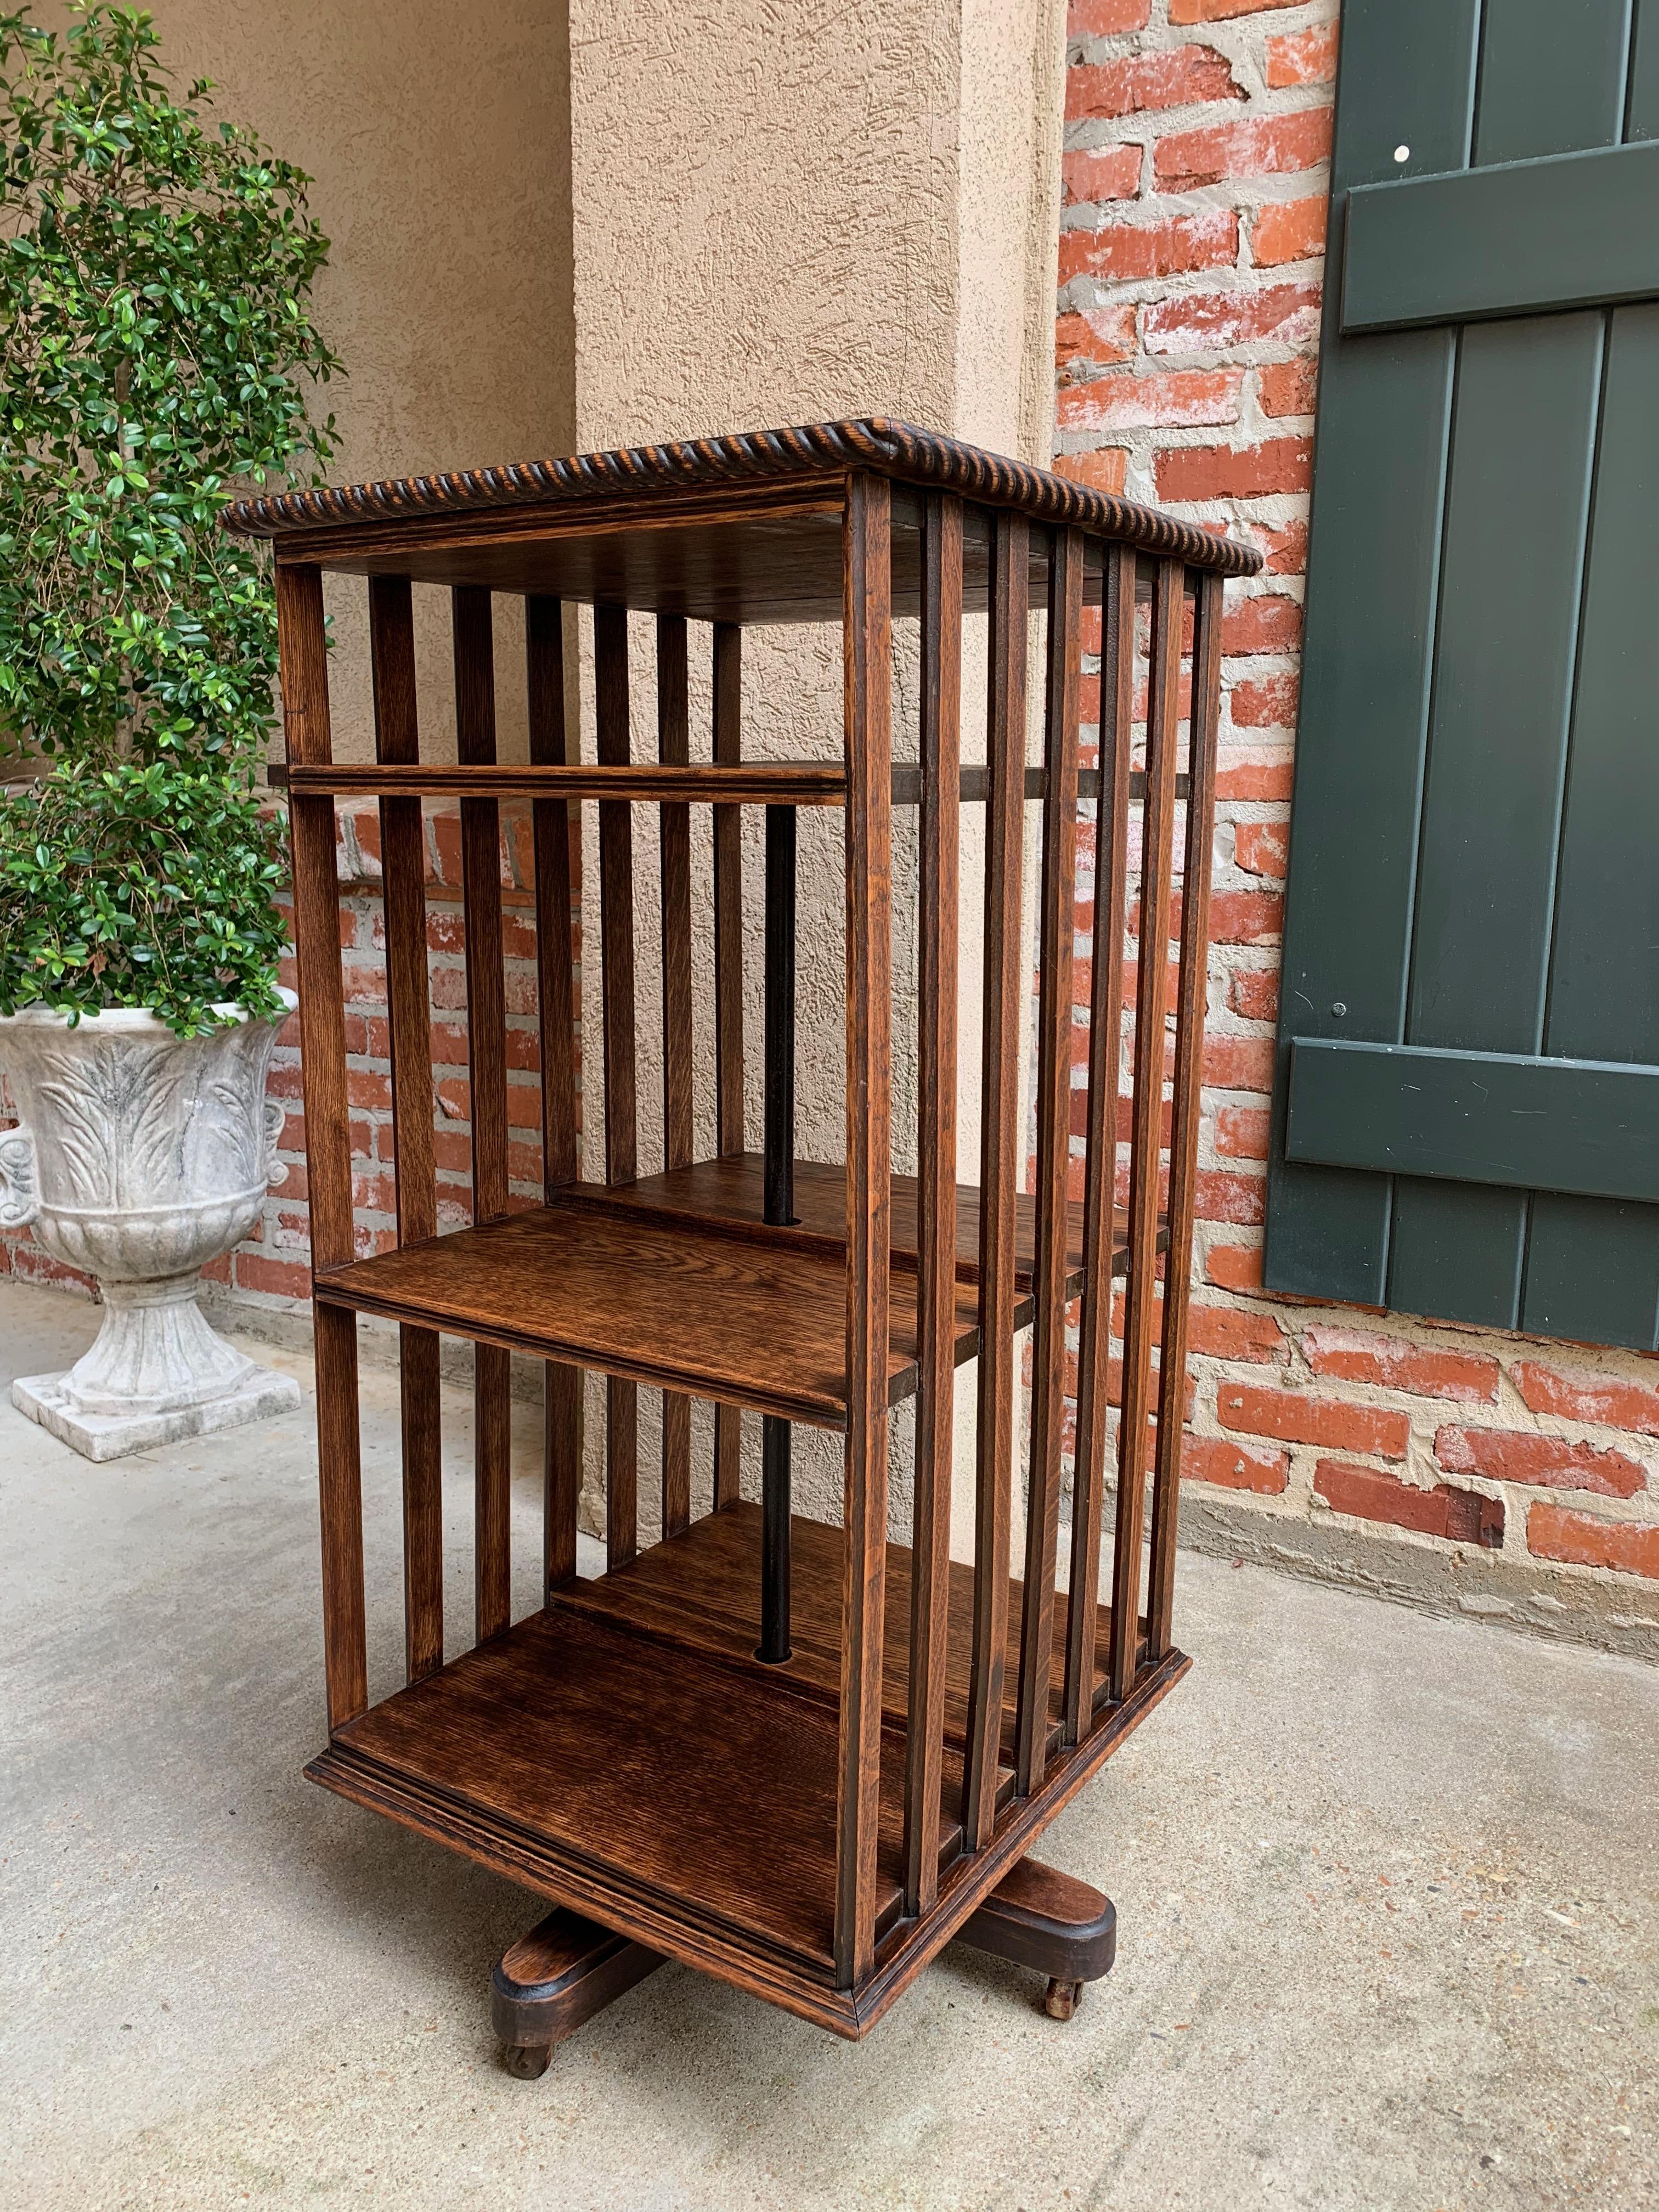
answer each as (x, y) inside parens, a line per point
(569, 1968)
(624, 1753)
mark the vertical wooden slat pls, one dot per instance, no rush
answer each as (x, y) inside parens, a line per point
(1205, 718)
(778, 1210)
(303, 646)
(867, 646)
(674, 751)
(1053, 1141)
(486, 1041)
(998, 1168)
(403, 890)
(556, 1000)
(936, 1189)
(1117, 674)
(728, 984)
(1140, 1290)
(621, 1126)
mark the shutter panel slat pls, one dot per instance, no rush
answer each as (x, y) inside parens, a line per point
(1384, 412)
(1551, 77)
(1593, 1264)
(1532, 906)
(1524, 445)
(1641, 96)
(1498, 746)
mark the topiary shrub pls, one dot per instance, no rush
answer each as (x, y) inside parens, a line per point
(157, 353)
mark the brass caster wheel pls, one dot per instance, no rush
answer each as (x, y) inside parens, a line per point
(1062, 1999)
(527, 2062)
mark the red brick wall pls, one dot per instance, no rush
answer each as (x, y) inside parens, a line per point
(1191, 260)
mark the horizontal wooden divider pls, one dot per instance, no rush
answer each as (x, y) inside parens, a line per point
(762, 783)
(756, 783)
(976, 785)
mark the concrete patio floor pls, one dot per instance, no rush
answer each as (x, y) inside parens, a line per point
(1386, 1895)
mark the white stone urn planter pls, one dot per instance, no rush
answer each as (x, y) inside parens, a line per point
(140, 1157)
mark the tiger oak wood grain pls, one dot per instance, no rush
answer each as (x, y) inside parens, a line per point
(674, 852)
(1189, 1081)
(1058, 930)
(686, 1929)
(999, 1148)
(486, 1041)
(727, 738)
(866, 660)
(611, 719)
(403, 892)
(1151, 991)
(550, 833)
(935, 1206)
(303, 642)
(701, 1592)
(668, 1306)
(1104, 1223)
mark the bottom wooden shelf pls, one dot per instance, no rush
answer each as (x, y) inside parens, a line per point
(700, 1592)
(623, 1753)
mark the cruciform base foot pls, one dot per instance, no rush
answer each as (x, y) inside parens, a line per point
(559, 1975)
(1039, 1917)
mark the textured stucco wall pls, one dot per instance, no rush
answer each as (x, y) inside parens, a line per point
(438, 142)
(782, 214)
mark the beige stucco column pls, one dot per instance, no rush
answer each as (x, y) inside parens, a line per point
(782, 214)
(438, 139)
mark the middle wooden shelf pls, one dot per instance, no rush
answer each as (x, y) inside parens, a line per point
(674, 1280)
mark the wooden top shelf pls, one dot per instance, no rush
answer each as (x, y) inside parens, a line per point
(674, 1281)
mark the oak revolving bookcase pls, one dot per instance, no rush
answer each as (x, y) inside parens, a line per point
(799, 1757)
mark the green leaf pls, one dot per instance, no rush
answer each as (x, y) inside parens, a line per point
(159, 353)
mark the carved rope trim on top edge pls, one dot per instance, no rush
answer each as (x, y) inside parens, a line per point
(900, 448)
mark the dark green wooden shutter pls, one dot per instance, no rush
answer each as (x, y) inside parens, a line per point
(1466, 1102)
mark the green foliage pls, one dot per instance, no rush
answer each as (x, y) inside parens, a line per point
(142, 884)
(156, 347)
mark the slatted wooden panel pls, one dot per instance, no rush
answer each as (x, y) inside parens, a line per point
(621, 1122)
(561, 1385)
(1151, 1006)
(1117, 681)
(1185, 1112)
(999, 1167)
(867, 627)
(1054, 1142)
(936, 1189)
(674, 834)
(304, 649)
(1477, 791)
(486, 1038)
(403, 889)
(728, 984)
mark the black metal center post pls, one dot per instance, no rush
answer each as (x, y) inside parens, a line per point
(780, 1208)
